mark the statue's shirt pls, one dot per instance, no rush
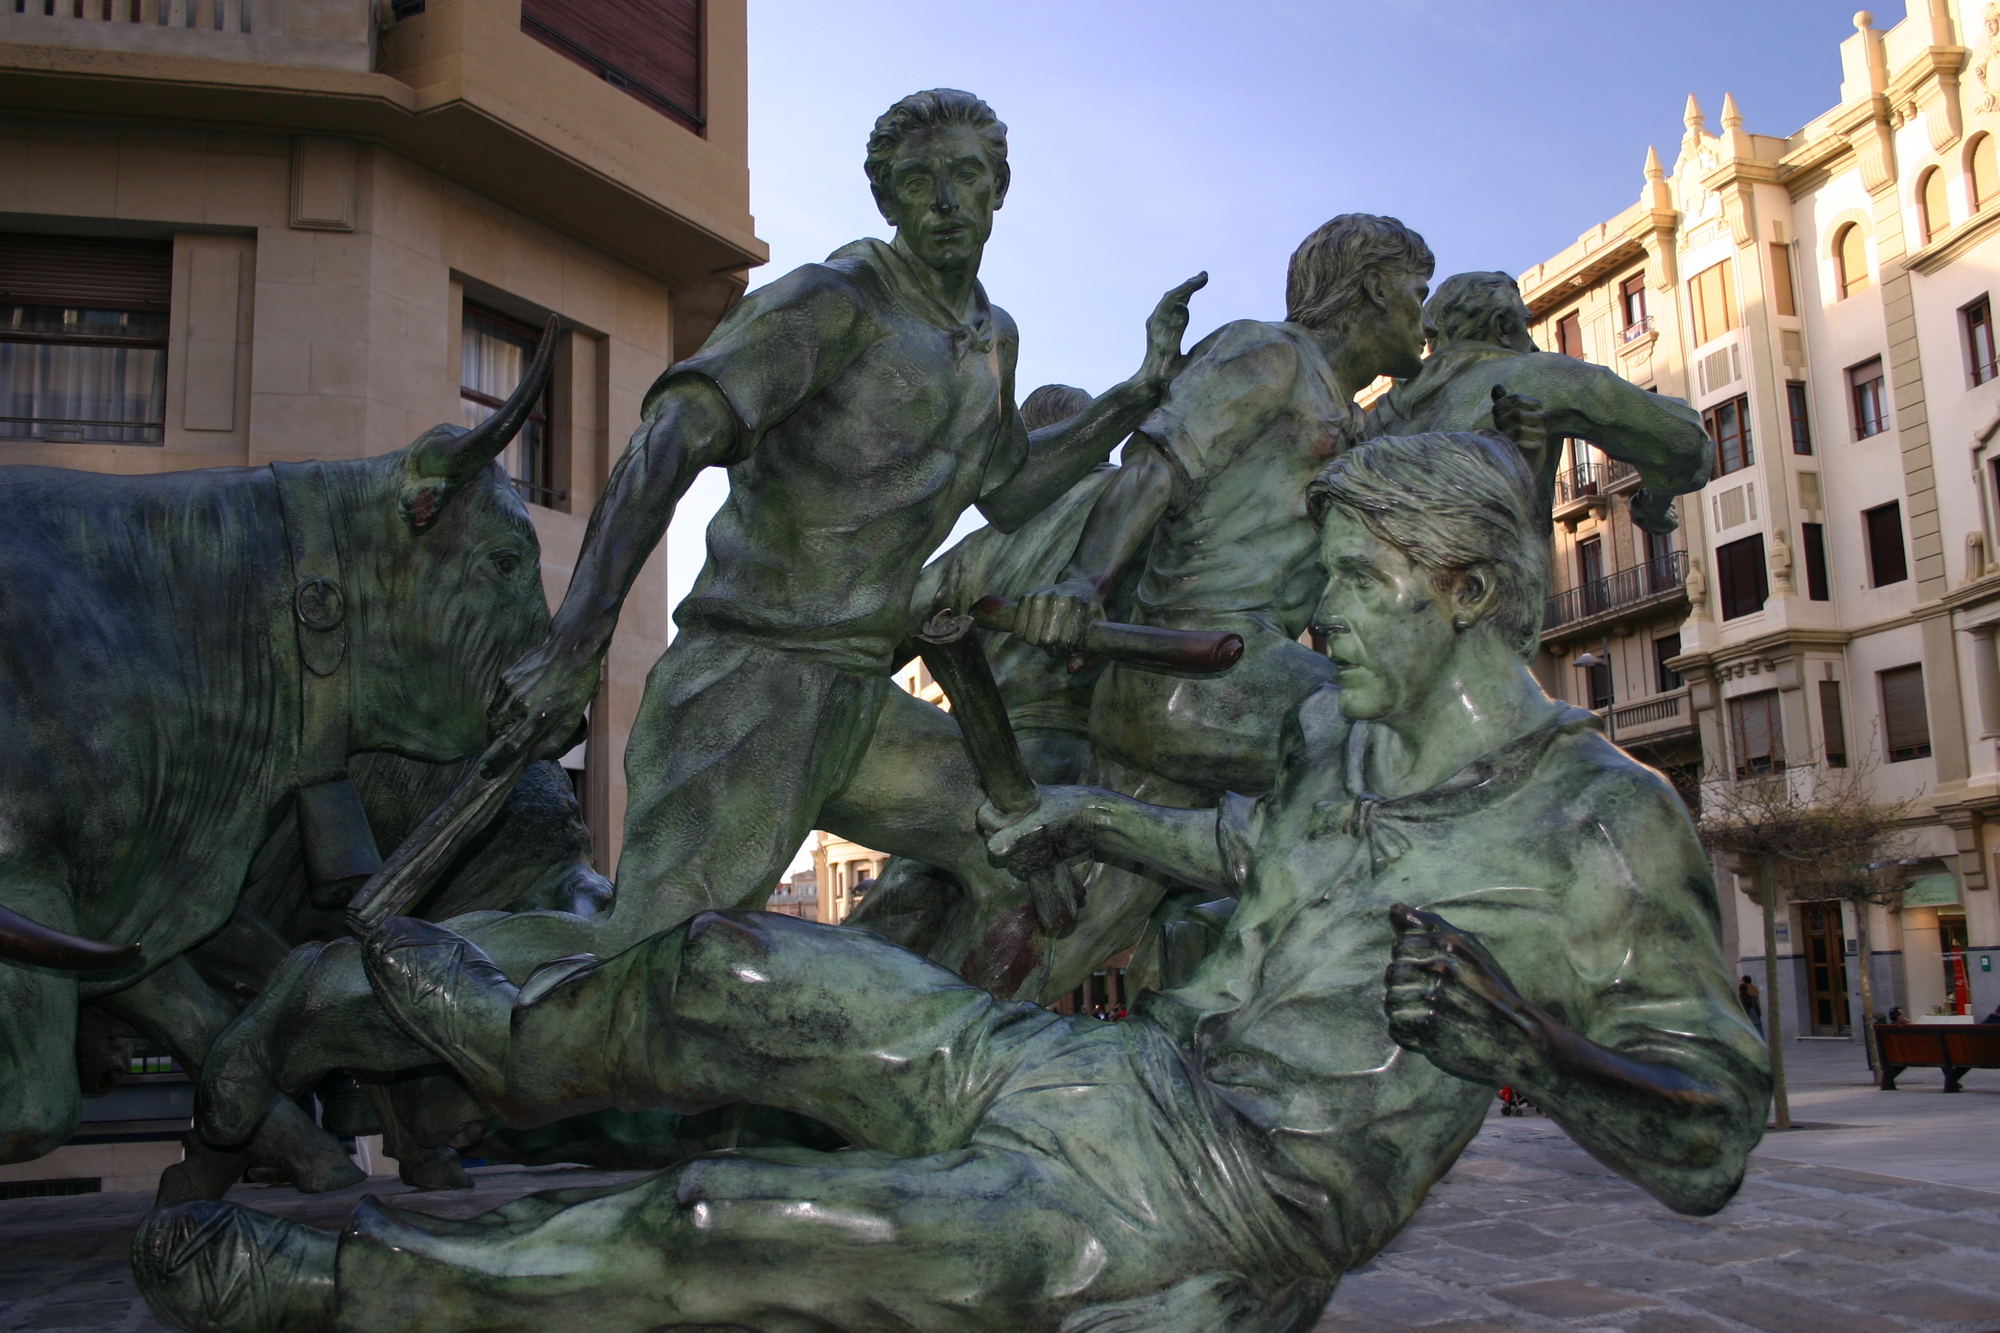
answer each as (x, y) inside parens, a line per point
(873, 416)
(1243, 427)
(1574, 865)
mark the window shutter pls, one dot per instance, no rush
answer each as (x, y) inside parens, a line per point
(85, 271)
(1906, 729)
(652, 46)
(1833, 723)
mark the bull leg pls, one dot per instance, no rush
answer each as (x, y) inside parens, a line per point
(177, 1009)
(39, 1098)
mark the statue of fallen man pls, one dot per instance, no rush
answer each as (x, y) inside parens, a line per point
(1454, 883)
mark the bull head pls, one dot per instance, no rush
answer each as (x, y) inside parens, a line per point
(445, 457)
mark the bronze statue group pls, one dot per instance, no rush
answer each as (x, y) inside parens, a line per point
(1367, 883)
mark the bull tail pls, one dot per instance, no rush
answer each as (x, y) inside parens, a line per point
(25, 941)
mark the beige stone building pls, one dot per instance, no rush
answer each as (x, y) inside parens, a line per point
(239, 231)
(1825, 299)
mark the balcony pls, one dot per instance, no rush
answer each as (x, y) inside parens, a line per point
(1636, 330)
(329, 34)
(1654, 583)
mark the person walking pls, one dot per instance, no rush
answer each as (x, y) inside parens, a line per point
(1753, 1005)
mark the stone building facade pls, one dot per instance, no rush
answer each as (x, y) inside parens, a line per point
(240, 231)
(1825, 300)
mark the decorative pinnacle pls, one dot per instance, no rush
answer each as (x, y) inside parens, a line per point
(1692, 116)
(1732, 119)
(1653, 172)
(1862, 20)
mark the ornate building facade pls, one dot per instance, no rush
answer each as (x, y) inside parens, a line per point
(1831, 599)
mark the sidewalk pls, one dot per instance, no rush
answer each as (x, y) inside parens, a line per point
(1890, 1223)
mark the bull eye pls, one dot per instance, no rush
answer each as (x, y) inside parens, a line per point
(506, 561)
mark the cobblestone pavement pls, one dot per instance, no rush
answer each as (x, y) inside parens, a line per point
(1526, 1232)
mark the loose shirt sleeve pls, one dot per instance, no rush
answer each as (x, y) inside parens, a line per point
(780, 346)
(1238, 382)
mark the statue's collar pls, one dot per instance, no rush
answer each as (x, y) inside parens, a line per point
(972, 333)
(1445, 363)
(1385, 824)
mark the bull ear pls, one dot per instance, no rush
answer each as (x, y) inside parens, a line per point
(445, 457)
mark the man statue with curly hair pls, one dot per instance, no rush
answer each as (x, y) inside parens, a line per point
(1456, 883)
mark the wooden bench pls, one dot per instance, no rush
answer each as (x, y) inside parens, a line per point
(1952, 1047)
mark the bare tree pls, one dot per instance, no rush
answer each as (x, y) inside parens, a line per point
(1809, 834)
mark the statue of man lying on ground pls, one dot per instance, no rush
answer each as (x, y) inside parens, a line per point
(1455, 883)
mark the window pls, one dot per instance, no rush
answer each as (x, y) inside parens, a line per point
(1980, 166)
(1664, 650)
(1864, 393)
(1590, 575)
(1757, 735)
(1597, 684)
(1782, 295)
(494, 352)
(1850, 258)
(1569, 335)
(1632, 305)
(1662, 570)
(83, 339)
(1728, 424)
(1833, 724)
(648, 48)
(1884, 528)
(1906, 726)
(1712, 299)
(1978, 319)
(1741, 580)
(1796, 406)
(1934, 213)
(1814, 547)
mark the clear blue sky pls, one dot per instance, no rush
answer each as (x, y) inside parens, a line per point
(1151, 139)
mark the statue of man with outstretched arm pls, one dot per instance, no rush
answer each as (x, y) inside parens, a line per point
(1456, 883)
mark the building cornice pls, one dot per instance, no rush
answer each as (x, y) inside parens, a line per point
(1770, 648)
(688, 237)
(1954, 242)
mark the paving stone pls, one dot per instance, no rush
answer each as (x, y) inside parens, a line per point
(1570, 1218)
(1462, 1268)
(1773, 1311)
(1944, 1199)
(1958, 1231)
(1717, 1251)
(1848, 1212)
(1648, 1274)
(1567, 1298)
(1928, 1300)
(1670, 1321)
(1833, 1178)
(1882, 1246)
(1385, 1296)
(1818, 1273)
(1507, 1239)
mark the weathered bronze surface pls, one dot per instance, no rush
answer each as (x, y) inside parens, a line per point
(1369, 884)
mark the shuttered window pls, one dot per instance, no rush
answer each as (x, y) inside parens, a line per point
(1712, 295)
(1757, 734)
(648, 48)
(1814, 548)
(1906, 727)
(1850, 253)
(1871, 405)
(83, 339)
(494, 353)
(1569, 336)
(1728, 424)
(1740, 577)
(1834, 723)
(1782, 296)
(1884, 526)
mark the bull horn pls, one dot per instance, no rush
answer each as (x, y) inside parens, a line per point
(25, 941)
(445, 457)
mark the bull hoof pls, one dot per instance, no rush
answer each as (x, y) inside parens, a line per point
(238, 1085)
(202, 1173)
(213, 1267)
(433, 1169)
(301, 1152)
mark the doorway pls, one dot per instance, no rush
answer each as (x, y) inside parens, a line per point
(1826, 969)
(1952, 939)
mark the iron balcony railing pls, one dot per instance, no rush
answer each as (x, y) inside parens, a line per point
(1638, 329)
(1628, 587)
(1590, 477)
